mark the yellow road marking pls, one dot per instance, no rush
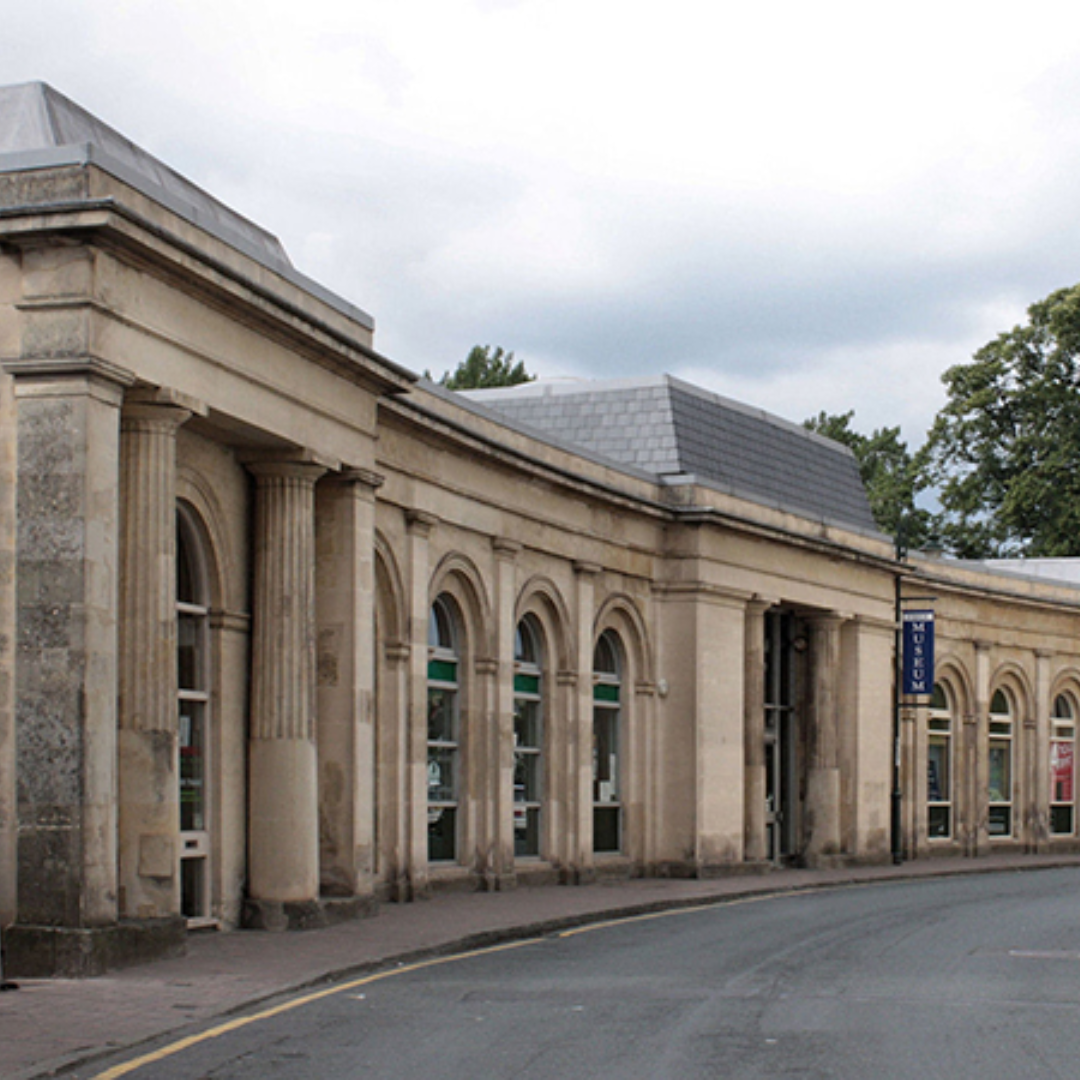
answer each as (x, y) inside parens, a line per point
(234, 1025)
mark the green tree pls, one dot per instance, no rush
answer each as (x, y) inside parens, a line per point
(892, 475)
(485, 368)
(1005, 449)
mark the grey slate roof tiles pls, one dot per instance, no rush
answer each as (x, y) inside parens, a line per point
(670, 428)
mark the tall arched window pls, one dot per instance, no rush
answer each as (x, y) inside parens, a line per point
(607, 687)
(193, 669)
(1063, 767)
(444, 731)
(528, 738)
(939, 766)
(1000, 774)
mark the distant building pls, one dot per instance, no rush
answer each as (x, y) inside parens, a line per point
(286, 632)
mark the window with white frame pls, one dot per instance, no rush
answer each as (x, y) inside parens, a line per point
(607, 712)
(1063, 767)
(443, 732)
(1000, 771)
(193, 682)
(528, 738)
(939, 767)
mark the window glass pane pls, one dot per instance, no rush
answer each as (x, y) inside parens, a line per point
(1061, 820)
(605, 755)
(606, 829)
(442, 714)
(192, 766)
(1062, 771)
(527, 723)
(526, 830)
(442, 834)
(937, 789)
(1001, 821)
(442, 774)
(1000, 773)
(1062, 708)
(1000, 703)
(605, 658)
(938, 699)
(938, 822)
(188, 660)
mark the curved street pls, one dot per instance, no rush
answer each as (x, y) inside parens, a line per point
(975, 976)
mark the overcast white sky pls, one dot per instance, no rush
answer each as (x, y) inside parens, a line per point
(804, 206)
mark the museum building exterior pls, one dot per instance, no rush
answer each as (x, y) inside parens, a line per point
(287, 632)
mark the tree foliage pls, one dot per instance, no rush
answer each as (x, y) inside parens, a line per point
(1005, 449)
(892, 474)
(485, 368)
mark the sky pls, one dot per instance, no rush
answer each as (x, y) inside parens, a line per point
(802, 206)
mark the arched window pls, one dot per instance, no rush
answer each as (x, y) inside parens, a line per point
(607, 687)
(939, 766)
(1063, 767)
(1000, 775)
(528, 738)
(193, 670)
(443, 734)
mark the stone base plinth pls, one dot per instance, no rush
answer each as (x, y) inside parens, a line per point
(37, 952)
(282, 915)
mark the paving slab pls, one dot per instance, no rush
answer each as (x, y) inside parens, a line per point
(50, 1025)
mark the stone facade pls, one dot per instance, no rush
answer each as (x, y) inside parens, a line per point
(285, 633)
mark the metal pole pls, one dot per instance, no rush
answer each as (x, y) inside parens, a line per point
(898, 681)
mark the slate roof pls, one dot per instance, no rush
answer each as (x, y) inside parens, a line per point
(670, 428)
(40, 128)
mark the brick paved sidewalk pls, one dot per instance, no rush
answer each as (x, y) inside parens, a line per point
(47, 1025)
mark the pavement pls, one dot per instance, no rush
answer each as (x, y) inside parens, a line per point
(48, 1026)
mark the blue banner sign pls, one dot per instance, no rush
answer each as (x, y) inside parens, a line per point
(918, 638)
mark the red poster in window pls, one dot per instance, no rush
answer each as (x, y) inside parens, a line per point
(1062, 772)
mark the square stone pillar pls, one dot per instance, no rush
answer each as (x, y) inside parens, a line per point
(283, 842)
(68, 428)
(754, 828)
(823, 790)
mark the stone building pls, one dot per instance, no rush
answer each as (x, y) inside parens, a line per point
(286, 632)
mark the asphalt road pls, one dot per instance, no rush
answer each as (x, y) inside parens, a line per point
(957, 977)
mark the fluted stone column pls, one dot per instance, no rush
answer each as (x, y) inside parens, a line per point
(284, 829)
(823, 809)
(755, 849)
(149, 786)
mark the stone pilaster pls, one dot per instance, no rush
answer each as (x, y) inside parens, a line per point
(755, 841)
(345, 583)
(149, 814)
(823, 810)
(580, 860)
(501, 862)
(283, 843)
(1037, 754)
(976, 757)
(420, 525)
